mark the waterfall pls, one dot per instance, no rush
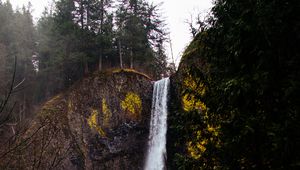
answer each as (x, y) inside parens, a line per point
(156, 156)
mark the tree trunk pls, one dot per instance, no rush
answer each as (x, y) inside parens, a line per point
(66, 65)
(131, 58)
(88, 16)
(86, 67)
(81, 12)
(120, 54)
(101, 34)
(100, 61)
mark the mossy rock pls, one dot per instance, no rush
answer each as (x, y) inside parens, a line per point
(100, 122)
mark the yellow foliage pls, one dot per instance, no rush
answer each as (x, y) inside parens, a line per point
(190, 103)
(207, 133)
(213, 130)
(106, 113)
(194, 84)
(198, 146)
(133, 104)
(197, 149)
(93, 123)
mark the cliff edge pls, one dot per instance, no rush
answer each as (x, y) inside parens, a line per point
(101, 122)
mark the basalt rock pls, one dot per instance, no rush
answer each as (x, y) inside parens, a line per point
(102, 122)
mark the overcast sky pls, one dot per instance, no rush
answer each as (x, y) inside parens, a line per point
(176, 13)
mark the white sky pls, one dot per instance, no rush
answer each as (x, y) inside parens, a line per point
(176, 13)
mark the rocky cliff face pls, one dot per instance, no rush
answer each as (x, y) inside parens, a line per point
(102, 122)
(187, 141)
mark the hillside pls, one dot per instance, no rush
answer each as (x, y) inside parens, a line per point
(101, 122)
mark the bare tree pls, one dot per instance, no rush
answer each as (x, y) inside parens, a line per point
(198, 24)
(4, 116)
(5, 110)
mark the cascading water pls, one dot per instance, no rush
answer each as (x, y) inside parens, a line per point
(156, 156)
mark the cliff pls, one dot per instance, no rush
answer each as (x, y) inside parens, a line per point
(191, 128)
(101, 122)
(235, 97)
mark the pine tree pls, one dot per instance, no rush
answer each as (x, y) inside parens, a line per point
(140, 29)
(104, 28)
(71, 55)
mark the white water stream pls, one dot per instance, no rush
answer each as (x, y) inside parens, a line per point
(156, 155)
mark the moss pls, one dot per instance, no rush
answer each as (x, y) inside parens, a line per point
(93, 123)
(70, 106)
(106, 113)
(109, 72)
(50, 106)
(53, 100)
(133, 105)
(130, 71)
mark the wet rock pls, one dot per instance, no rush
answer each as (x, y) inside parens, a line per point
(101, 122)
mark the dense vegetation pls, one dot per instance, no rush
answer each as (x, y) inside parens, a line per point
(237, 90)
(81, 36)
(72, 39)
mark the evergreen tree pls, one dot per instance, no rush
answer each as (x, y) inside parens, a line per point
(103, 20)
(72, 58)
(141, 30)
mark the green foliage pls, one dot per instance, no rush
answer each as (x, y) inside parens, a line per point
(248, 63)
(79, 37)
(142, 34)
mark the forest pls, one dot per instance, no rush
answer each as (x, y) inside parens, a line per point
(73, 39)
(76, 86)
